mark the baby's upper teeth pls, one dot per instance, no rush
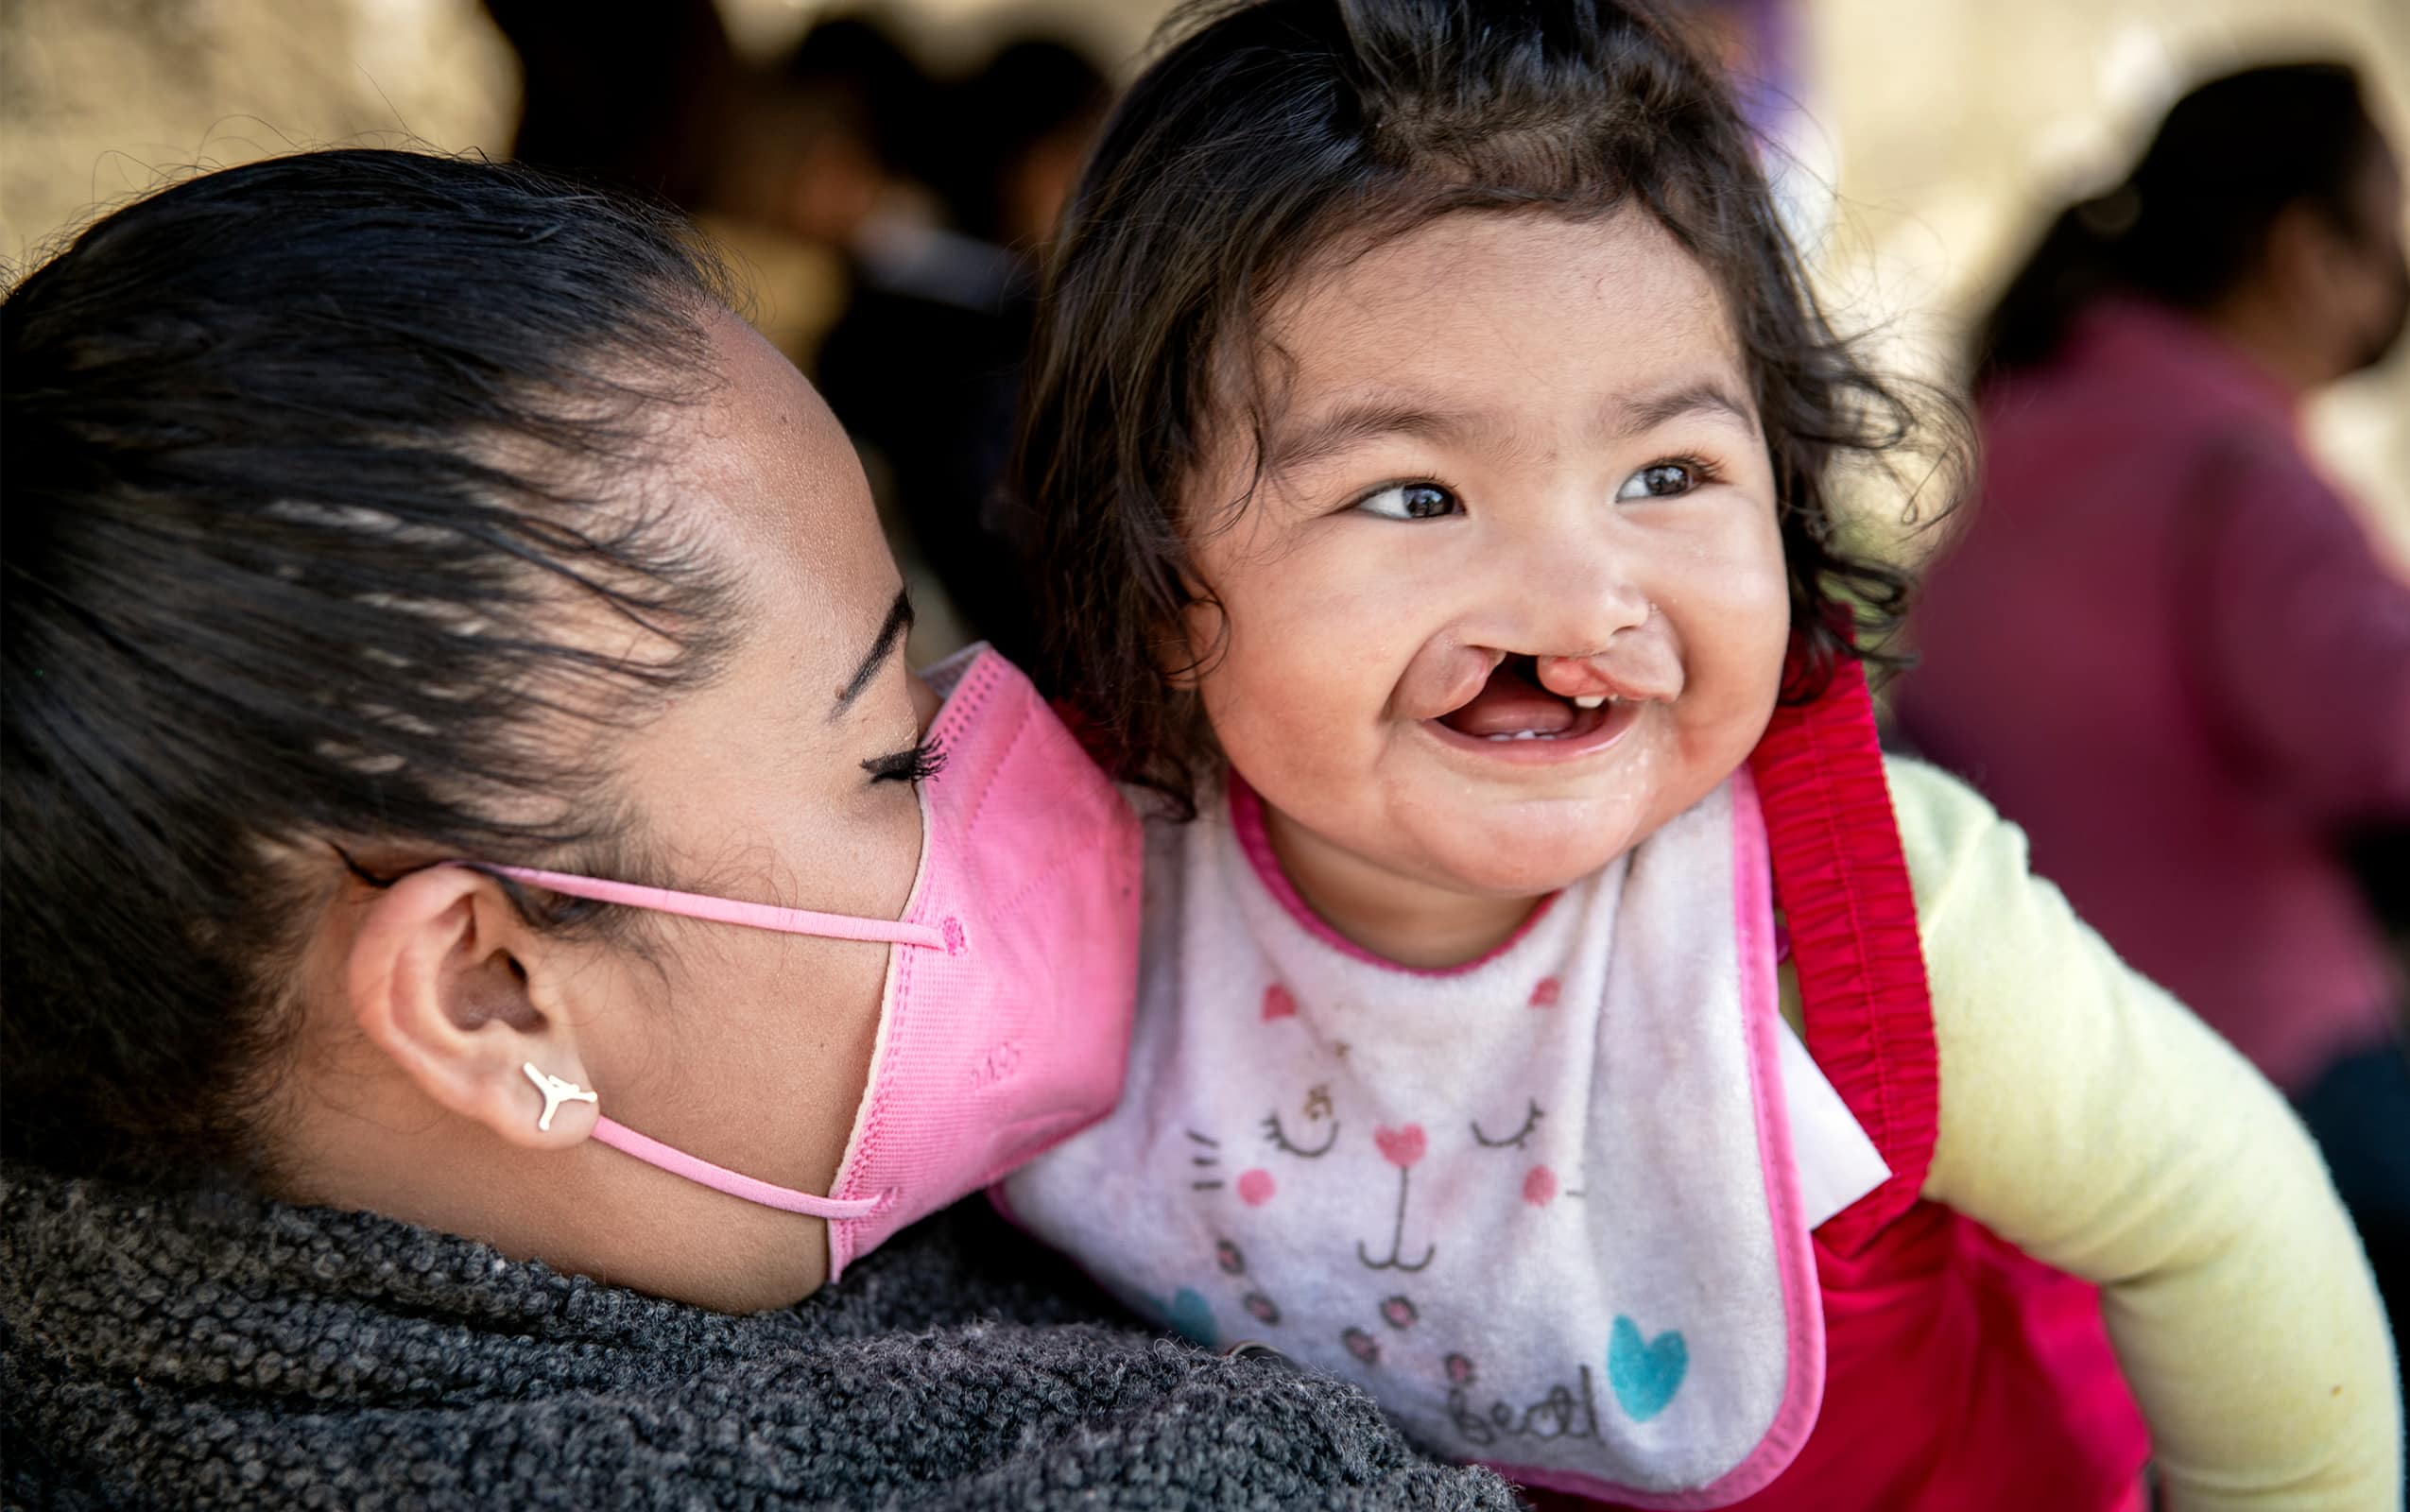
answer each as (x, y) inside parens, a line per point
(1590, 700)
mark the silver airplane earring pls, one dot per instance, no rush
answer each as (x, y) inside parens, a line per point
(555, 1092)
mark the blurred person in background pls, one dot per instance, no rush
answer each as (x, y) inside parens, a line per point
(924, 365)
(1023, 124)
(2166, 646)
(811, 168)
(884, 223)
(886, 226)
(628, 100)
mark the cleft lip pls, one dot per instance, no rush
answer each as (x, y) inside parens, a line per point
(1464, 674)
(1471, 680)
(1641, 672)
(1512, 704)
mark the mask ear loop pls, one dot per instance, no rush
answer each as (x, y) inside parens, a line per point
(736, 1184)
(751, 915)
(726, 910)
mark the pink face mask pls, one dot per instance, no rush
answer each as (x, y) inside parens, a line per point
(1011, 985)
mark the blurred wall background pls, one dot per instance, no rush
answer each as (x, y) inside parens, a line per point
(1934, 135)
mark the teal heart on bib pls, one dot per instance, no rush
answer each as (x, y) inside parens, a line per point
(1189, 1314)
(1645, 1373)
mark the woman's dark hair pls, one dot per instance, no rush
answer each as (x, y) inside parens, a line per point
(1268, 133)
(309, 463)
(2190, 222)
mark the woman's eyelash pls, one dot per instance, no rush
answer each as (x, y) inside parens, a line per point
(917, 765)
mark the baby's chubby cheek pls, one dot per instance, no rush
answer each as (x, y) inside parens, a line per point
(1292, 681)
(1286, 734)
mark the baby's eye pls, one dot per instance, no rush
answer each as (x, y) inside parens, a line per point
(1661, 480)
(1410, 500)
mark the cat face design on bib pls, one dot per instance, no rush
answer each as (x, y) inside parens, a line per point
(1542, 1206)
(1275, 1169)
(1366, 1228)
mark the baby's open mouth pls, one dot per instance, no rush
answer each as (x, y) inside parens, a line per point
(1513, 706)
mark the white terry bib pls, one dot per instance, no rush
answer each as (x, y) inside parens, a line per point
(1543, 1207)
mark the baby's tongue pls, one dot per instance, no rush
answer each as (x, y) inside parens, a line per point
(1509, 704)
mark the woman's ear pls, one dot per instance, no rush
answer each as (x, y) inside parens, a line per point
(438, 979)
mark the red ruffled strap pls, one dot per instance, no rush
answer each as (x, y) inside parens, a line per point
(1843, 886)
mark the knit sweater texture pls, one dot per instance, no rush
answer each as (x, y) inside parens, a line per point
(211, 1349)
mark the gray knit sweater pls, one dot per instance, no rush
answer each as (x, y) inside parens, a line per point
(221, 1351)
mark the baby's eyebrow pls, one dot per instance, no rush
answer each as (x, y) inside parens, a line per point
(1356, 422)
(1637, 414)
(1352, 424)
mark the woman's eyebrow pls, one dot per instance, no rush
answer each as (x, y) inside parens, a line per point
(890, 636)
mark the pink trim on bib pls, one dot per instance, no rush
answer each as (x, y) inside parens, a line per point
(1794, 1254)
(1255, 841)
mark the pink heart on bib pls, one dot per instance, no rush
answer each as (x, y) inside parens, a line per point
(1400, 1147)
(1278, 1002)
(1545, 994)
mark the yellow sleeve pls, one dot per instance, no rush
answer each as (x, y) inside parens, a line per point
(2092, 1121)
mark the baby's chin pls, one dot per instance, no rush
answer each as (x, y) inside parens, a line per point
(1525, 861)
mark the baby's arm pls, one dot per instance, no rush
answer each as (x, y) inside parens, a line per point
(2090, 1120)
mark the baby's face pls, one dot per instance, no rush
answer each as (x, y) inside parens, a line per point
(1513, 469)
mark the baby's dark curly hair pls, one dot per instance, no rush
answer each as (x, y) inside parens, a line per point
(1266, 134)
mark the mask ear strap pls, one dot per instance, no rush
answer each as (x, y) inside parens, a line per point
(721, 1178)
(751, 916)
(729, 910)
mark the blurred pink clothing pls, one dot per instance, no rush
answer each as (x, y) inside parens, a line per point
(2166, 648)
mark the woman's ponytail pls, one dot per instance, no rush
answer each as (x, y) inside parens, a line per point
(2190, 222)
(2079, 259)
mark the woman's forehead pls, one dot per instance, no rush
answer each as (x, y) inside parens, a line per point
(773, 488)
